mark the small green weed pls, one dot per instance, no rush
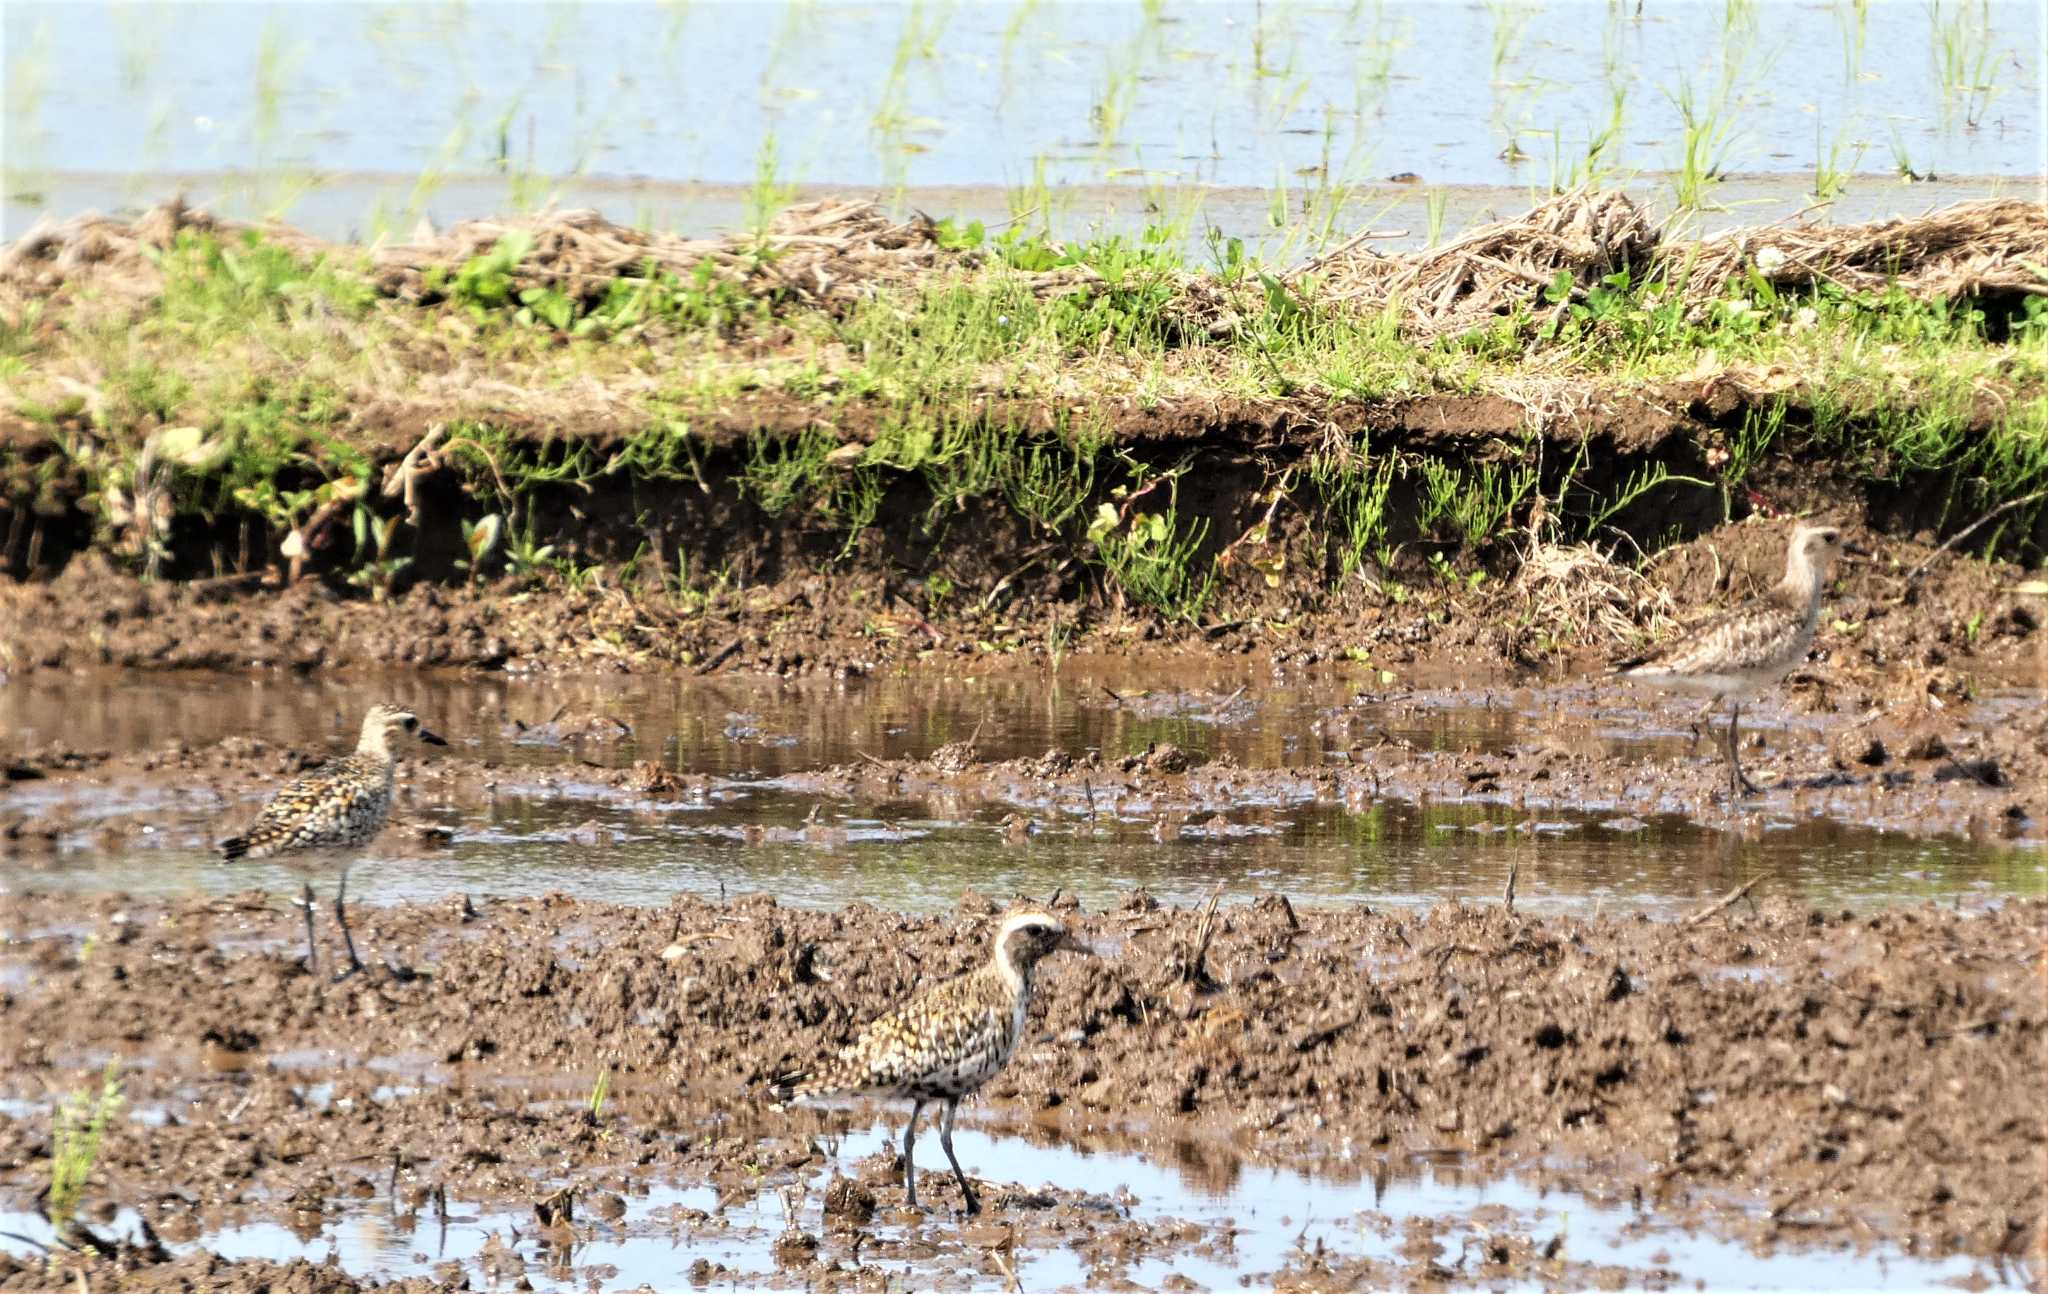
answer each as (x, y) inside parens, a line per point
(75, 1134)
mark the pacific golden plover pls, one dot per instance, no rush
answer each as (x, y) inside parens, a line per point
(946, 1041)
(1742, 651)
(330, 812)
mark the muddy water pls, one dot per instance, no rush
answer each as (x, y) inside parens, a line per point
(541, 805)
(1255, 1223)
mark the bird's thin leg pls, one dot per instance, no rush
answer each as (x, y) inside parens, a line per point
(946, 1144)
(1738, 781)
(312, 952)
(355, 963)
(909, 1167)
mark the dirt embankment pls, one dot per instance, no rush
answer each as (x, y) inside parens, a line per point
(800, 612)
(764, 521)
(1781, 1075)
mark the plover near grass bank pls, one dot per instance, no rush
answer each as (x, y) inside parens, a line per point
(327, 814)
(1740, 652)
(945, 1042)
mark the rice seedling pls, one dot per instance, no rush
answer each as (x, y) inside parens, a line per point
(1436, 205)
(1266, 32)
(600, 1091)
(1902, 162)
(1510, 20)
(1833, 168)
(1373, 70)
(1707, 134)
(1595, 164)
(1853, 19)
(769, 194)
(1964, 58)
(27, 82)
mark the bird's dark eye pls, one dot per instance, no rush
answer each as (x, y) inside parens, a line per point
(411, 723)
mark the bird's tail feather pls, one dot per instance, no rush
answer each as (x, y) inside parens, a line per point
(234, 847)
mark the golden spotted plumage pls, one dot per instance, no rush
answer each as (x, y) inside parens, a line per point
(1738, 653)
(341, 804)
(336, 808)
(944, 1042)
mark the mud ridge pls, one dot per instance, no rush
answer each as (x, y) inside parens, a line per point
(1839, 1067)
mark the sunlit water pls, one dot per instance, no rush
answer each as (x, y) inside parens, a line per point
(556, 822)
(553, 817)
(453, 111)
(1273, 1217)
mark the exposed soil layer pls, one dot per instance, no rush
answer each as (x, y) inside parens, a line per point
(804, 614)
(1779, 1075)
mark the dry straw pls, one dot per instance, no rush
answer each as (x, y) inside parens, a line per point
(829, 254)
(1972, 249)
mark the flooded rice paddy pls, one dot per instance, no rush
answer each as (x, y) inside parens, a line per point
(1265, 116)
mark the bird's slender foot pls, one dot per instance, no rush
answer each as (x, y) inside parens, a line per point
(348, 940)
(909, 1163)
(946, 1143)
(312, 948)
(398, 972)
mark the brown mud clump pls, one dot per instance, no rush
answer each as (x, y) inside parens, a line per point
(1778, 1075)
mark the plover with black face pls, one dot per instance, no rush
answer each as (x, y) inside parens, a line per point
(326, 815)
(945, 1042)
(1740, 652)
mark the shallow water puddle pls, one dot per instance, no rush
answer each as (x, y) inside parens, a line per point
(538, 803)
(1222, 1224)
(1385, 854)
(768, 727)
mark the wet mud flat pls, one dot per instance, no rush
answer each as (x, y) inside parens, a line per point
(1787, 1082)
(1163, 764)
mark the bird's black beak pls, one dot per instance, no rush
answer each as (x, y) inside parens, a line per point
(432, 738)
(1857, 551)
(1070, 944)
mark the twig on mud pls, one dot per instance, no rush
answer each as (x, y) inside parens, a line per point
(1362, 236)
(1031, 559)
(1448, 951)
(1195, 969)
(1974, 773)
(1507, 895)
(399, 482)
(1010, 1281)
(1726, 901)
(1215, 711)
(1914, 575)
(725, 654)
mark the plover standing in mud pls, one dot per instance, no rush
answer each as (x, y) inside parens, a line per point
(330, 812)
(1740, 652)
(945, 1042)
